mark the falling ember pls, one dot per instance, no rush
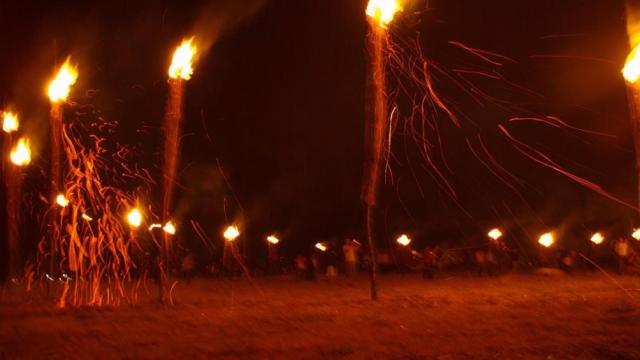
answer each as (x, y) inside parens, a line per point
(87, 217)
(9, 122)
(404, 240)
(495, 234)
(636, 234)
(182, 62)
(272, 239)
(62, 201)
(597, 238)
(155, 226)
(321, 246)
(21, 154)
(170, 228)
(231, 233)
(382, 11)
(60, 87)
(546, 240)
(134, 217)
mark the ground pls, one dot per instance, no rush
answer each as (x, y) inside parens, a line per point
(511, 317)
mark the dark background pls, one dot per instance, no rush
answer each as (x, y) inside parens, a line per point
(277, 103)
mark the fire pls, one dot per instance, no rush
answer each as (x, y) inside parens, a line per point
(87, 217)
(231, 233)
(169, 228)
(182, 62)
(155, 226)
(636, 234)
(62, 200)
(60, 87)
(631, 70)
(495, 234)
(597, 238)
(21, 154)
(404, 240)
(546, 240)
(383, 11)
(134, 217)
(321, 246)
(9, 122)
(272, 239)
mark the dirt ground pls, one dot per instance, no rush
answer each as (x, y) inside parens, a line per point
(509, 317)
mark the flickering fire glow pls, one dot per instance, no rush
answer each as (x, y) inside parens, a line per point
(631, 70)
(169, 228)
(321, 246)
(636, 234)
(597, 238)
(495, 234)
(155, 226)
(62, 201)
(134, 217)
(9, 122)
(404, 240)
(60, 87)
(87, 217)
(272, 239)
(546, 240)
(182, 62)
(383, 11)
(21, 153)
(231, 233)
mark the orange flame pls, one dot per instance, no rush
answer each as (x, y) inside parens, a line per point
(404, 240)
(321, 246)
(9, 122)
(631, 70)
(21, 154)
(636, 234)
(182, 62)
(60, 87)
(62, 200)
(231, 233)
(383, 11)
(597, 238)
(546, 240)
(272, 239)
(134, 217)
(495, 234)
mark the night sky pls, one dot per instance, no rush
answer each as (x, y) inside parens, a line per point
(277, 102)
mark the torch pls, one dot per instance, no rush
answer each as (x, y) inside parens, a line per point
(380, 13)
(20, 156)
(180, 70)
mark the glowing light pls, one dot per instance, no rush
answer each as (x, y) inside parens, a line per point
(597, 238)
(60, 87)
(62, 201)
(404, 240)
(272, 239)
(134, 217)
(631, 70)
(321, 246)
(9, 122)
(155, 226)
(231, 233)
(636, 234)
(21, 154)
(182, 62)
(383, 11)
(87, 217)
(495, 234)
(546, 240)
(169, 228)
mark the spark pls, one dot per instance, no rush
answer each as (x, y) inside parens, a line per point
(631, 70)
(383, 11)
(231, 233)
(155, 226)
(169, 228)
(62, 200)
(87, 217)
(546, 240)
(404, 240)
(272, 239)
(60, 87)
(597, 238)
(495, 234)
(636, 234)
(321, 246)
(134, 217)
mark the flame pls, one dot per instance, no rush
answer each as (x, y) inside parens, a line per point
(404, 240)
(597, 238)
(631, 70)
(60, 87)
(134, 217)
(546, 240)
(383, 11)
(231, 233)
(9, 122)
(272, 239)
(62, 200)
(495, 234)
(169, 228)
(321, 246)
(21, 154)
(636, 234)
(182, 62)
